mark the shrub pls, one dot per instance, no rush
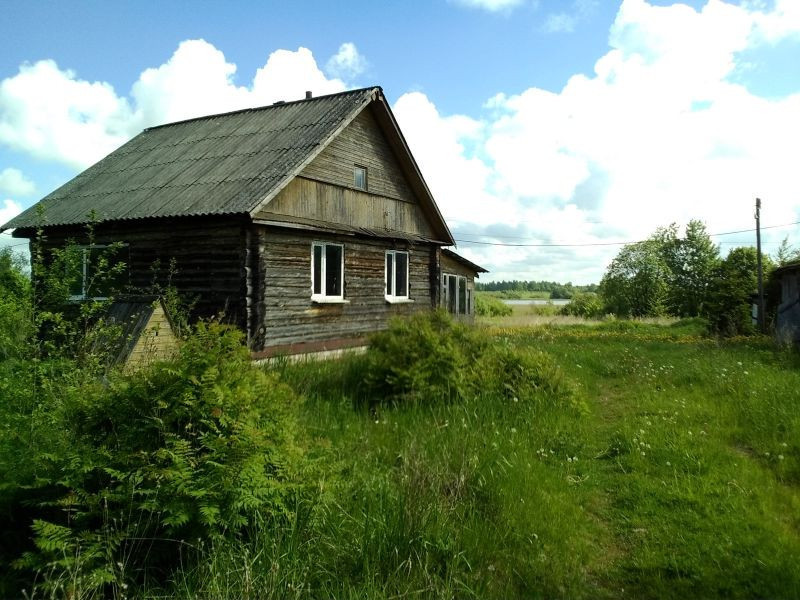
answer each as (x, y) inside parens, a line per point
(193, 448)
(588, 305)
(517, 374)
(488, 306)
(429, 358)
(421, 358)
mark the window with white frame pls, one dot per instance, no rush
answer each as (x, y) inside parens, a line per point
(327, 272)
(97, 271)
(360, 177)
(396, 275)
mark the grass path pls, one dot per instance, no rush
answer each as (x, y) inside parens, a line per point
(691, 481)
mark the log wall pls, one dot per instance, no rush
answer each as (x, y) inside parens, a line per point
(209, 256)
(286, 313)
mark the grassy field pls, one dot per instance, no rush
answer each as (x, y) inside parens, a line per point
(516, 295)
(671, 470)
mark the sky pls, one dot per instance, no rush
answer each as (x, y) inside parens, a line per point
(549, 131)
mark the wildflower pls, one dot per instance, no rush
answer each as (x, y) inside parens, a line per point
(669, 464)
(643, 454)
(574, 459)
(569, 459)
(513, 430)
(780, 456)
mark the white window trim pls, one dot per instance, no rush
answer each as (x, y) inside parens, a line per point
(83, 295)
(394, 298)
(366, 177)
(323, 298)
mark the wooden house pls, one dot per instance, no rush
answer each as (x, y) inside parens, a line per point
(307, 224)
(787, 319)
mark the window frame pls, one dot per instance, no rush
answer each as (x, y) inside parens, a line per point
(364, 170)
(393, 297)
(455, 299)
(85, 250)
(323, 297)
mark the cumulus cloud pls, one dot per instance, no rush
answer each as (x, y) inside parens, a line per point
(492, 5)
(660, 132)
(565, 22)
(52, 114)
(14, 183)
(347, 63)
(8, 210)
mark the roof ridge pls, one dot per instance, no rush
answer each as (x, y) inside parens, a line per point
(276, 104)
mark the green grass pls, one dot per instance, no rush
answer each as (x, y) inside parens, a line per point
(673, 472)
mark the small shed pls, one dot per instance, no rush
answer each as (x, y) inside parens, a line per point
(145, 332)
(787, 320)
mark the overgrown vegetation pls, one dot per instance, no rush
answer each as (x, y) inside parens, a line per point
(604, 461)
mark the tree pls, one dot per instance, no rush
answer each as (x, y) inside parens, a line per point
(786, 253)
(735, 280)
(692, 262)
(636, 283)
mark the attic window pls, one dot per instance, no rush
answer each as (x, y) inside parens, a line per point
(360, 177)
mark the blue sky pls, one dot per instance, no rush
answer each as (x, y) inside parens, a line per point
(550, 121)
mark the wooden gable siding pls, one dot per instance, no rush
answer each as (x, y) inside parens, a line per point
(362, 143)
(448, 265)
(209, 257)
(285, 312)
(324, 190)
(333, 205)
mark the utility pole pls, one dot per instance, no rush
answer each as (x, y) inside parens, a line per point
(762, 323)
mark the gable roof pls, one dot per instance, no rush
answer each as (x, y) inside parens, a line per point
(227, 164)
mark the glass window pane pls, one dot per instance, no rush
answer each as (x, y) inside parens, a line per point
(401, 271)
(452, 293)
(389, 273)
(317, 269)
(360, 178)
(333, 270)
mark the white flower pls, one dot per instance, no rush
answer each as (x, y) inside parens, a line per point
(780, 456)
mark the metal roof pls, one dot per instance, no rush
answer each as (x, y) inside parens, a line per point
(468, 263)
(216, 165)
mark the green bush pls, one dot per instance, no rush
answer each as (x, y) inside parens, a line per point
(421, 358)
(588, 305)
(488, 306)
(515, 374)
(195, 448)
(429, 359)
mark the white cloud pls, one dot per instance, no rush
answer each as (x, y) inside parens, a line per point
(14, 182)
(658, 133)
(492, 5)
(347, 63)
(565, 22)
(51, 114)
(8, 210)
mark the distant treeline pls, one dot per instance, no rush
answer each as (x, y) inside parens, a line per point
(555, 289)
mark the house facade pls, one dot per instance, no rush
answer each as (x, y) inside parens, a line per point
(787, 318)
(307, 224)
